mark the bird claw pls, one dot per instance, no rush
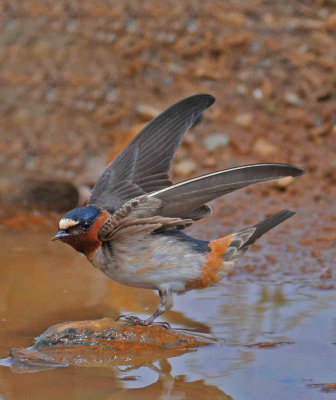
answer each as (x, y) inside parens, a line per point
(164, 324)
(134, 320)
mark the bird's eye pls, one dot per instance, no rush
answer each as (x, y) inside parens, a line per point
(86, 225)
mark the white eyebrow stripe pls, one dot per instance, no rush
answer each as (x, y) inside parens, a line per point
(66, 223)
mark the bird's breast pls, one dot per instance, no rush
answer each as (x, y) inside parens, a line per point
(150, 261)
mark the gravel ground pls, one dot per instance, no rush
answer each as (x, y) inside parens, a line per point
(80, 78)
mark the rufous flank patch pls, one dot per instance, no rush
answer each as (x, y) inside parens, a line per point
(214, 263)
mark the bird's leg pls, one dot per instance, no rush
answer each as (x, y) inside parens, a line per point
(166, 303)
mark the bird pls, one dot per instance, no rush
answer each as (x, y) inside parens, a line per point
(133, 226)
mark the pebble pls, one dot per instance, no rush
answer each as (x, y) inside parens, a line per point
(84, 192)
(209, 162)
(258, 94)
(264, 148)
(215, 140)
(185, 167)
(146, 112)
(293, 99)
(284, 182)
(241, 88)
(244, 119)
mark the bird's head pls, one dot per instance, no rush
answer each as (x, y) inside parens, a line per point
(80, 227)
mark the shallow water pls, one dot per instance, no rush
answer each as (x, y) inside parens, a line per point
(44, 283)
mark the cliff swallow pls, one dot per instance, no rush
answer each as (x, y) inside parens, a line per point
(133, 226)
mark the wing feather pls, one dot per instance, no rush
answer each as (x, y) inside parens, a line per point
(184, 199)
(142, 167)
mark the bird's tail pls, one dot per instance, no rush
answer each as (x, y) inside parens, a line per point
(237, 243)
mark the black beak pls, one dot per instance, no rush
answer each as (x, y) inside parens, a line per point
(61, 235)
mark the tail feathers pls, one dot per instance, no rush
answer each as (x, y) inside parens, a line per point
(268, 224)
(246, 237)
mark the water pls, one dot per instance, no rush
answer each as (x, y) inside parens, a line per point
(43, 283)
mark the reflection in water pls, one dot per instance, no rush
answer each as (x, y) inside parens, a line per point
(168, 386)
(80, 383)
(42, 284)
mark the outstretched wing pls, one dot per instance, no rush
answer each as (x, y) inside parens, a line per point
(178, 205)
(187, 199)
(142, 167)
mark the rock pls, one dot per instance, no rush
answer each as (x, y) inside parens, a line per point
(244, 119)
(185, 167)
(50, 195)
(264, 148)
(264, 345)
(330, 23)
(146, 112)
(209, 162)
(38, 194)
(241, 88)
(325, 387)
(29, 220)
(271, 107)
(104, 343)
(93, 168)
(321, 130)
(215, 140)
(84, 192)
(258, 94)
(284, 182)
(293, 99)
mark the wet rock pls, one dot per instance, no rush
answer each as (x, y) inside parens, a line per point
(73, 333)
(215, 140)
(104, 342)
(264, 148)
(185, 167)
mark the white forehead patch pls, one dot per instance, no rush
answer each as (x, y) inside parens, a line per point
(66, 223)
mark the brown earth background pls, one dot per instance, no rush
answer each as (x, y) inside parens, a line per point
(80, 78)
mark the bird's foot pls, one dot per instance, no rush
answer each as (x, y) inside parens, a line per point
(161, 323)
(134, 320)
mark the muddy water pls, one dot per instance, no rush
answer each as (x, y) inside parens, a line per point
(44, 283)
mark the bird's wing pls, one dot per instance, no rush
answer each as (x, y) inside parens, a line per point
(142, 167)
(138, 215)
(187, 199)
(181, 204)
